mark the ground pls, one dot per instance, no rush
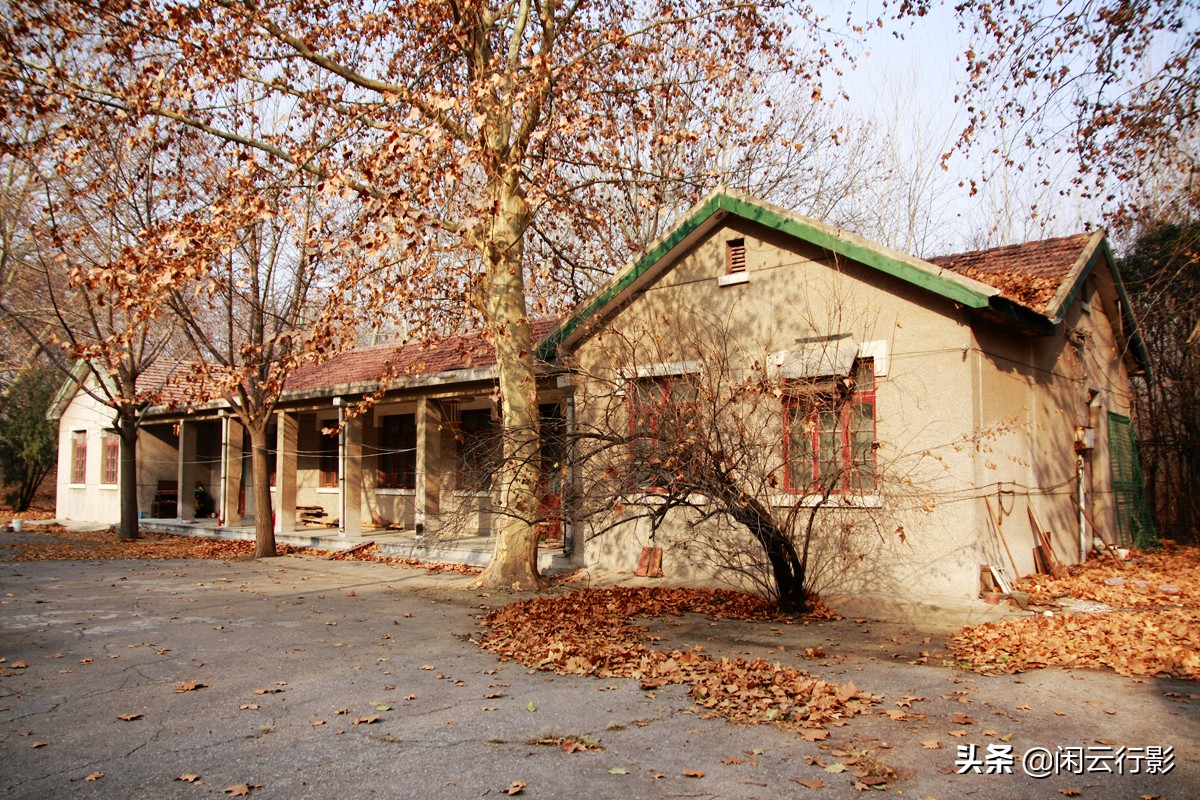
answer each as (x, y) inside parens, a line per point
(302, 676)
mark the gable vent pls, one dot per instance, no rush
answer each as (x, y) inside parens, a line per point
(735, 256)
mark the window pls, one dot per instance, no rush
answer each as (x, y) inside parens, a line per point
(662, 417)
(478, 449)
(735, 256)
(329, 454)
(78, 456)
(398, 452)
(110, 466)
(830, 434)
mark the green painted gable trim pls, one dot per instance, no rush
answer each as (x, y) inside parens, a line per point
(953, 289)
(1136, 346)
(860, 252)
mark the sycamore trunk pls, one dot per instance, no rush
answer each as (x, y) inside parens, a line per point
(260, 464)
(514, 557)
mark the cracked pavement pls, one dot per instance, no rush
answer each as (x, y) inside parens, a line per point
(325, 678)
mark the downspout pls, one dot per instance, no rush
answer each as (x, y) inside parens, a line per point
(342, 532)
(1083, 533)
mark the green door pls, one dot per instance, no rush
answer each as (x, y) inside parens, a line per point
(1135, 524)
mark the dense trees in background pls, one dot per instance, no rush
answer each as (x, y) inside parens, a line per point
(1162, 275)
(28, 441)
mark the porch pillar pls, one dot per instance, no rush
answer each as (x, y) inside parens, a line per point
(286, 443)
(430, 468)
(350, 473)
(185, 507)
(232, 436)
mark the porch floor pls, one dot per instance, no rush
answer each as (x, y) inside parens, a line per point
(474, 550)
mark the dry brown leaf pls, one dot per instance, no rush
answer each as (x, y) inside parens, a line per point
(516, 787)
(240, 790)
(692, 773)
(190, 686)
(128, 717)
(1070, 791)
(189, 777)
(371, 720)
(810, 783)
(95, 776)
(38, 745)
(931, 744)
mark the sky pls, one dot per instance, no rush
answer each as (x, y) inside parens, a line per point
(909, 84)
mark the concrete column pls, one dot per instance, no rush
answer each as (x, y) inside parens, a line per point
(350, 473)
(286, 444)
(431, 468)
(185, 510)
(232, 435)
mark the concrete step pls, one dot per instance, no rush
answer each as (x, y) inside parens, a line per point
(473, 551)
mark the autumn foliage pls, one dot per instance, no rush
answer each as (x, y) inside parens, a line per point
(590, 633)
(1152, 628)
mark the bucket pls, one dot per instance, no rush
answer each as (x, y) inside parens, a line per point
(18, 525)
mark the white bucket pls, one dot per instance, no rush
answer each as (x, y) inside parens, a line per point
(18, 525)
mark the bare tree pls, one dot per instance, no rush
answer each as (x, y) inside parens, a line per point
(769, 458)
(271, 300)
(88, 207)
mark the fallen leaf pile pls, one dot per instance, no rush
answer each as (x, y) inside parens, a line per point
(1125, 584)
(589, 633)
(1150, 632)
(53, 542)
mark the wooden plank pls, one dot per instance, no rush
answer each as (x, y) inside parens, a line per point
(1000, 531)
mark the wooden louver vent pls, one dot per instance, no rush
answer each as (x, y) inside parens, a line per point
(735, 256)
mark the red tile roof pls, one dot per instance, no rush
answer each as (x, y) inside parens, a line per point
(371, 365)
(164, 378)
(1029, 274)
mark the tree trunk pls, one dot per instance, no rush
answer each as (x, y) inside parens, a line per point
(127, 430)
(787, 568)
(514, 557)
(260, 464)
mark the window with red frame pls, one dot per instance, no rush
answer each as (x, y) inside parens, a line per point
(398, 452)
(830, 435)
(662, 412)
(78, 456)
(110, 465)
(329, 454)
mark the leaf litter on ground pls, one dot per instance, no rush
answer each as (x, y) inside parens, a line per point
(1146, 632)
(589, 632)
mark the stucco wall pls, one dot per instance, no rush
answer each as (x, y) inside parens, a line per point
(919, 538)
(89, 501)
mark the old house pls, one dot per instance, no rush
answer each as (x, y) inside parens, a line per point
(998, 382)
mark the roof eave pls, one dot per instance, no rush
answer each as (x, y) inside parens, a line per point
(714, 210)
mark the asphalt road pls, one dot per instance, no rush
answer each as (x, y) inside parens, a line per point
(298, 677)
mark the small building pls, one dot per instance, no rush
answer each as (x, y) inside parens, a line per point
(1003, 376)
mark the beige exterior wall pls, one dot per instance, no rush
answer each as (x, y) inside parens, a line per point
(89, 500)
(965, 409)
